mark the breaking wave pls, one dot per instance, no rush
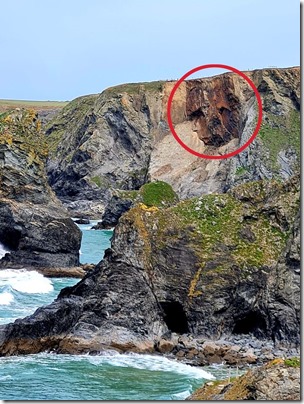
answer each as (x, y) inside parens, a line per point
(25, 281)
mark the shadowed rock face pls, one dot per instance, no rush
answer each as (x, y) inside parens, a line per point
(34, 225)
(190, 267)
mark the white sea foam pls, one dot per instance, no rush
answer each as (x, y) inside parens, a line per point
(181, 396)
(25, 281)
(3, 251)
(151, 362)
(130, 360)
(6, 298)
(6, 377)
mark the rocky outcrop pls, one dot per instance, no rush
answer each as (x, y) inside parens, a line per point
(157, 193)
(34, 226)
(278, 380)
(120, 139)
(116, 207)
(214, 266)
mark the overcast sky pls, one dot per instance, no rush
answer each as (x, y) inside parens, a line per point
(60, 49)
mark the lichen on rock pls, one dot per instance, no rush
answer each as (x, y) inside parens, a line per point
(273, 381)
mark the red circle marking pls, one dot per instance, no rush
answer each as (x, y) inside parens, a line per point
(258, 125)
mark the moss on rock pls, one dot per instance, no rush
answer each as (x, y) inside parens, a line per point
(280, 132)
(157, 193)
(293, 362)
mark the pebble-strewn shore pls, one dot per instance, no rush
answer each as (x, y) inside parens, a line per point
(237, 350)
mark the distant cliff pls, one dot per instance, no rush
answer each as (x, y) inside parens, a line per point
(120, 138)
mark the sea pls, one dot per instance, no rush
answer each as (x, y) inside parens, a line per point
(108, 376)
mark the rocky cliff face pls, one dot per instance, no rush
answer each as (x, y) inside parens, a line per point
(215, 266)
(120, 138)
(34, 225)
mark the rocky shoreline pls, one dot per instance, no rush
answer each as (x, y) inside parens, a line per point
(238, 351)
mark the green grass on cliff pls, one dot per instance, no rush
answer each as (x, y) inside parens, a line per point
(218, 220)
(279, 133)
(136, 88)
(158, 193)
(293, 362)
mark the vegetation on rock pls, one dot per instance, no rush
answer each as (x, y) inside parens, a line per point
(281, 133)
(157, 193)
(22, 125)
(57, 129)
(136, 88)
(276, 380)
(212, 221)
(293, 362)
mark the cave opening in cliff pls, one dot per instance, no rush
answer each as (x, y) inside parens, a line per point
(175, 317)
(10, 238)
(252, 323)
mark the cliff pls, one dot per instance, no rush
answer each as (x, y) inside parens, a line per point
(120, 139)
(214, 266)
(222, 264)
(34, 225)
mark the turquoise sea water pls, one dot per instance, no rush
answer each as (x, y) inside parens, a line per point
(105, 377)
(94, 242)
(109, 376)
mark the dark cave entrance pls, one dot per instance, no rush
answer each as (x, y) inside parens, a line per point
(252, 323)
(175, 317)
(11, 238)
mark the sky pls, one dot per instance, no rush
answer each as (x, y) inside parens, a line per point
(61, 49)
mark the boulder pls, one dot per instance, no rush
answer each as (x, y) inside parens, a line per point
(278, 380)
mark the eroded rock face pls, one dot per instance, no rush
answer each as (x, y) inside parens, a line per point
(190, 268)
(120, 138)
(215, 110)
(34, 225)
